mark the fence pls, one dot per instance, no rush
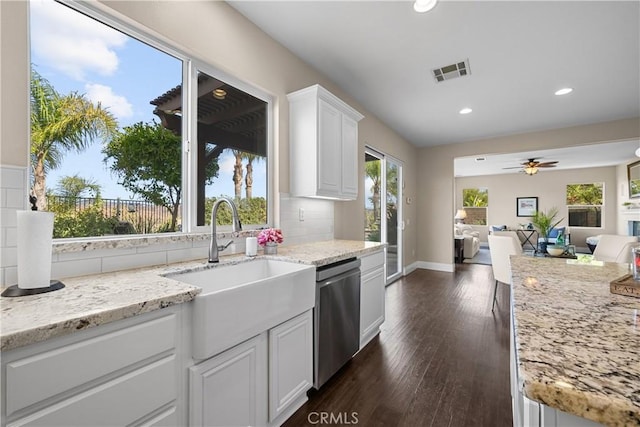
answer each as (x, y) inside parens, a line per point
(142, 216)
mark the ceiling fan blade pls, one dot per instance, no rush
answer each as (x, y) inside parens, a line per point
(514, 167)
(547, 165)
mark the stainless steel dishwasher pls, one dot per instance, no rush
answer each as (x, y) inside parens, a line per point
(336, 318)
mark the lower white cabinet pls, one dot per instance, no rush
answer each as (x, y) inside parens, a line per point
(230, 389)
(123, 373)
(259, 382)
(290, 364)
(372, 294)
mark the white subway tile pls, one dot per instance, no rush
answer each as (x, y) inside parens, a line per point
(125, 262)
(11, 275)
(8, 217)
(60, 270)
(3, 197)
(8, 257)
(16, 198)
(187, 254)
(12, 177)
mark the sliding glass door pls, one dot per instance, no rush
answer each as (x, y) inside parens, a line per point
(383, 208)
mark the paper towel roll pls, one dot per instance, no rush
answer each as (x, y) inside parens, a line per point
(251, 245)
(35, 235)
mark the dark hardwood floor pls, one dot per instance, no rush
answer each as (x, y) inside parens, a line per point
(441, 359)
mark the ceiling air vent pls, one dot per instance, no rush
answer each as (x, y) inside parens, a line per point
(452, 71)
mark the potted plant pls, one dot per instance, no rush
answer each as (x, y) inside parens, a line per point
(544, 223)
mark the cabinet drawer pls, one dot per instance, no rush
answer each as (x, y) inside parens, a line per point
(46, 374)
(371, 262)
(119, 402)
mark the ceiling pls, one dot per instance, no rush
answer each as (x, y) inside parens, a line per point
(519, 53)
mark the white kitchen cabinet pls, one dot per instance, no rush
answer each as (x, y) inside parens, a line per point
(261, 381)
(290, 365)
(230, 389)
(372, 294)
(123, 373)
(323, 140)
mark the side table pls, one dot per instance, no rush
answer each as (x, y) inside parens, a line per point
(527, 235)
(458, 249)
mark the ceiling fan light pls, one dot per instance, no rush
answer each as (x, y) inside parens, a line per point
(422, 6)
(530, 170)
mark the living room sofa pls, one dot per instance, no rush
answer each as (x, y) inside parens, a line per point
(471, 239)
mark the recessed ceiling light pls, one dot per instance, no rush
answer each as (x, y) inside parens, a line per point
(564, 91)
(466, 110)
(422, 6)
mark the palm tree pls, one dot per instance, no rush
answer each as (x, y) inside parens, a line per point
(250, 158)
(60, 124)
(237, 173)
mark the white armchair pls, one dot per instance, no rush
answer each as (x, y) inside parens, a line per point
(471, 239)
(615, 248)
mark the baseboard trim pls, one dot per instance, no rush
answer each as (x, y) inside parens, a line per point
(410, 268)
(437, 266)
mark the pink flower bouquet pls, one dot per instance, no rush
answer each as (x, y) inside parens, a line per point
(270, 235)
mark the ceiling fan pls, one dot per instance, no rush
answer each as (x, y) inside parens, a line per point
(530, 167)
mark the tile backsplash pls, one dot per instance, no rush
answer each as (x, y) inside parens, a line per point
(13, 197)
(76, 258)
(317, 223)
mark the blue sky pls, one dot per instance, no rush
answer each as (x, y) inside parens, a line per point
(76, 53)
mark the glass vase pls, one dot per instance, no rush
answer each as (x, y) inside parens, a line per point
(635, 262)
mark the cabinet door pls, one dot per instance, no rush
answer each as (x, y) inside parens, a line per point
(349, 189)
(329, 150)
(290, 362)
(371, 305)
(231, 389)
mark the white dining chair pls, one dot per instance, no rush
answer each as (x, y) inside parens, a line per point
(615, 248)
(500, 248)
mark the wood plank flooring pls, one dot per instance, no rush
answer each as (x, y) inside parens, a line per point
(441, 359)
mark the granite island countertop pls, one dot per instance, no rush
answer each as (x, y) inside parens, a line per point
(93, 300)
(577, 344)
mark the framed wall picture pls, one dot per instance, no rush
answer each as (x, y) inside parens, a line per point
(526, 206)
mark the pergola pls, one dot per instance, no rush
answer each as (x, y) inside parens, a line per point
(227, 118)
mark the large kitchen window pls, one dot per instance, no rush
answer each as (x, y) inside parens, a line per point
(130, 136)
(584, 204)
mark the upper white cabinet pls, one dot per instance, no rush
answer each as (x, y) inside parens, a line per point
(323, 136)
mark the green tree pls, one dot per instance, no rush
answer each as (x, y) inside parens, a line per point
(475, 197)
(248, 179)
(147, 160)
(61, 123)
(584, 194)
(75, 186)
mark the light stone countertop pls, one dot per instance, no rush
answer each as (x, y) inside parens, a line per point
(577, 344)
(93, 300)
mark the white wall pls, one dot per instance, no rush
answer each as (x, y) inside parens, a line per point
(549, 186)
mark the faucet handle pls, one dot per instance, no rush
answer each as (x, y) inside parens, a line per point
(225, 246)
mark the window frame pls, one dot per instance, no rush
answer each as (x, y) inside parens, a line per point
(190, 67)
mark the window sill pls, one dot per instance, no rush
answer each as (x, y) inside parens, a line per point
(147, 240)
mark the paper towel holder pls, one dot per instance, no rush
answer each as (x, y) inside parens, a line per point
(15, 291)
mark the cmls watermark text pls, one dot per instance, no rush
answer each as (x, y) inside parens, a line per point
(328, 418)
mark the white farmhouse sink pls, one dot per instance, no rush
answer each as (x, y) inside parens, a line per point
(242, 300)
